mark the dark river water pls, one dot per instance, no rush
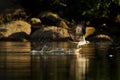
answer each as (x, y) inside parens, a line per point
(58, 61)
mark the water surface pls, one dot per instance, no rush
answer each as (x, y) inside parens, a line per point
(24, 61)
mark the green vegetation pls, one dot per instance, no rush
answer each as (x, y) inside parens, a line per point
(92, 11)
(76, 9)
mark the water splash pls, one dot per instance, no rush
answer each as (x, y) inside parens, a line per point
(82, 41)
(56, 51)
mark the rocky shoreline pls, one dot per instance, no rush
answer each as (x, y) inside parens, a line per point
(49, 26)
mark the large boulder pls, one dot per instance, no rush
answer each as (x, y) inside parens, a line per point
(96, 35)
(100, 37)
(50, 33)
(50, 15)
(49, 18)
(52, 19)
(15, 30)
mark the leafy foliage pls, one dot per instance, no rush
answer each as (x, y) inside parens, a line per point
(74, 9)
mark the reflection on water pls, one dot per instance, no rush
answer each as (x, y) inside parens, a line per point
(14, 61)
(15, 47)
(90, 62)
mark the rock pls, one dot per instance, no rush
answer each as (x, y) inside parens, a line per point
(13, 14)
(35, 24)
(53, 19)
(103, 36)
(11, 10)
(89, 31)
(15, 30)
(63, 24)
(49, 18)
(49, 14)
(21, 36)
(100, 37)
(35, 20)
(50, 33)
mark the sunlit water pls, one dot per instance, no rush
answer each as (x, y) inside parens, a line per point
(58, 61)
